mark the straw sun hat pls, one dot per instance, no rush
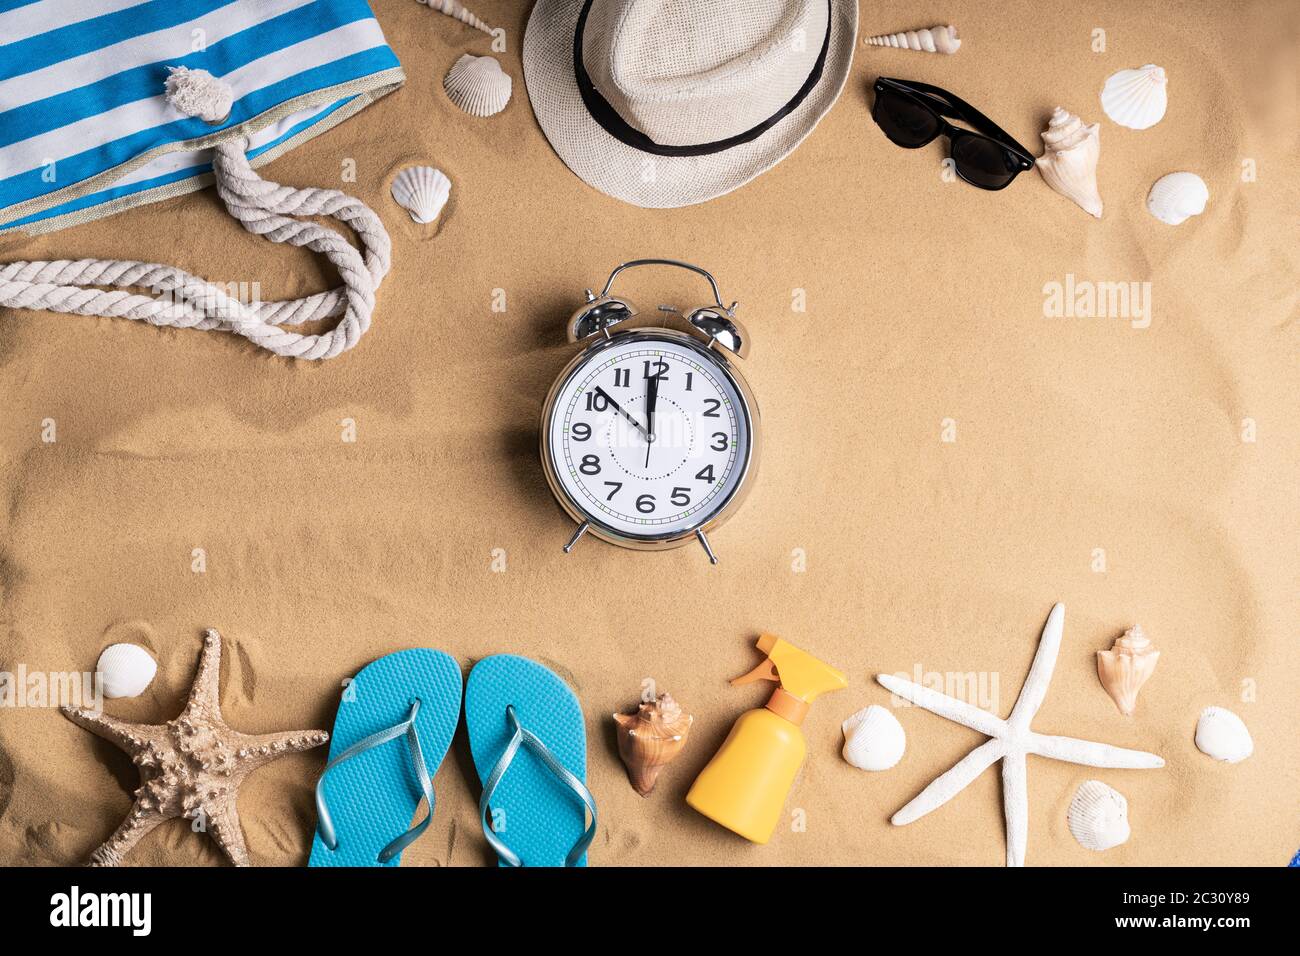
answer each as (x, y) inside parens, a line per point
(667, 103)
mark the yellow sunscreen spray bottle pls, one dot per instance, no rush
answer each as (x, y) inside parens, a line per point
(745, 785)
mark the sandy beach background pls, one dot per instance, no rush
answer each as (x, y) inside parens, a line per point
(868, 539)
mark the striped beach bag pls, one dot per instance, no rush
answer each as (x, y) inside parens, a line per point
(108, 104)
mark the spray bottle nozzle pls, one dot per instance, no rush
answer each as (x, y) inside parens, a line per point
(801, 677)
(764, 671)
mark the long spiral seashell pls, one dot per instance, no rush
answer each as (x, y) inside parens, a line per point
(453, 9)
(940, 39)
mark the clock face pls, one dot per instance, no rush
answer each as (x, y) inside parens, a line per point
(649, 436)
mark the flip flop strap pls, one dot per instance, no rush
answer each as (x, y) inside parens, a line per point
(521, 736)
(407, 727)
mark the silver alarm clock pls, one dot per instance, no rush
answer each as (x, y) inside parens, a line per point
(649, 437)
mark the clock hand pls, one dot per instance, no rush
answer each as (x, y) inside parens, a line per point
(619, 408)
(651, 400)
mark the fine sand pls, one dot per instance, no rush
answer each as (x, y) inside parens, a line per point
(1105, 466)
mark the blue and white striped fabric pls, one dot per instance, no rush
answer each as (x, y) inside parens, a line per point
(84, 127)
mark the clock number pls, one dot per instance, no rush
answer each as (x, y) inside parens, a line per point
(596, 402)
(622, 377)
(617, 485)
(646, 504)
(690, 378)
(681, 497)
(712, 410)
(590, 465)
(721, 441)
(705, 474)
(580, 431)
(660, 369)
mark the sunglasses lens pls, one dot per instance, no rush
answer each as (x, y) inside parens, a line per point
(983, 162)
(905, 122)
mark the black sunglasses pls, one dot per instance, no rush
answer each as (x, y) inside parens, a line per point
(912, 114)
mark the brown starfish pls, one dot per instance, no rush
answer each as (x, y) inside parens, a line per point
(190, 767)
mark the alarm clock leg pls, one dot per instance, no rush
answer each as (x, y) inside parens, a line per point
(704, 543)
(582, 529)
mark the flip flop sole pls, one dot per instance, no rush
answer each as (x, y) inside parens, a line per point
(374, 795)
(535, 814)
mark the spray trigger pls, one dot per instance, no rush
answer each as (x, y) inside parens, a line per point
(764, 671)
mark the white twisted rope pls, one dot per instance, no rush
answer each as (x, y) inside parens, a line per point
(263, 208)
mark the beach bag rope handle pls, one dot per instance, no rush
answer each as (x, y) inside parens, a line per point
(263, 208)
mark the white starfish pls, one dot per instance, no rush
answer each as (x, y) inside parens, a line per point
(1010, 741)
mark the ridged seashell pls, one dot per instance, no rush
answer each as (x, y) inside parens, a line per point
(1177, 196)
(1098, 816)
(478, 85)
(1126, 666)
(453, 9)
(873, 739)
(651, 739)
(1069, 160)
(940, 39)
(126, 670)
(422, 191)
(1221, 734)
(1136, 98)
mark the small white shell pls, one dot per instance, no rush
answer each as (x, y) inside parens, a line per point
(1221, 734)
(422, 191)
(125, 670)
(1098, 816)
(1136, 98)
(478, 85)
(940, 39)
(1177, 196)
(873, 739)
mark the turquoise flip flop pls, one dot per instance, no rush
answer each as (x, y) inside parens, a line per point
(529, 743)
(393, 728)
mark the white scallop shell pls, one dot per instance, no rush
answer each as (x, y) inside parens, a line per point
(1221, 734)
(126, 670)
(478, 85)
(422, 191)
(873, 739)
(1177, 196)
(1136, 98)
(1098, 816)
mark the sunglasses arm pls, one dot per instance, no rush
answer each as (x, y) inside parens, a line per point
(951, 105)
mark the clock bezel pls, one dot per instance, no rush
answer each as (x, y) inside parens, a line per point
(748, 465)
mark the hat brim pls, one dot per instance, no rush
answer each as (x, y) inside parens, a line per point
(644, 179)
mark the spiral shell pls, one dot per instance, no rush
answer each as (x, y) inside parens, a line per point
(126, 670)
(1136, 98)
(651, 739)
(422, 191)
(1098, 816)
(457, 10)
(940, 39)
(1124, 668)
(1177, 197)
(873, 739)
(1069, 160)
(478, 85)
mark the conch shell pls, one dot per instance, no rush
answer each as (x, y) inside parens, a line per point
(1069, 160)
(940, 39)
(1126, 666)
(651, 739)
